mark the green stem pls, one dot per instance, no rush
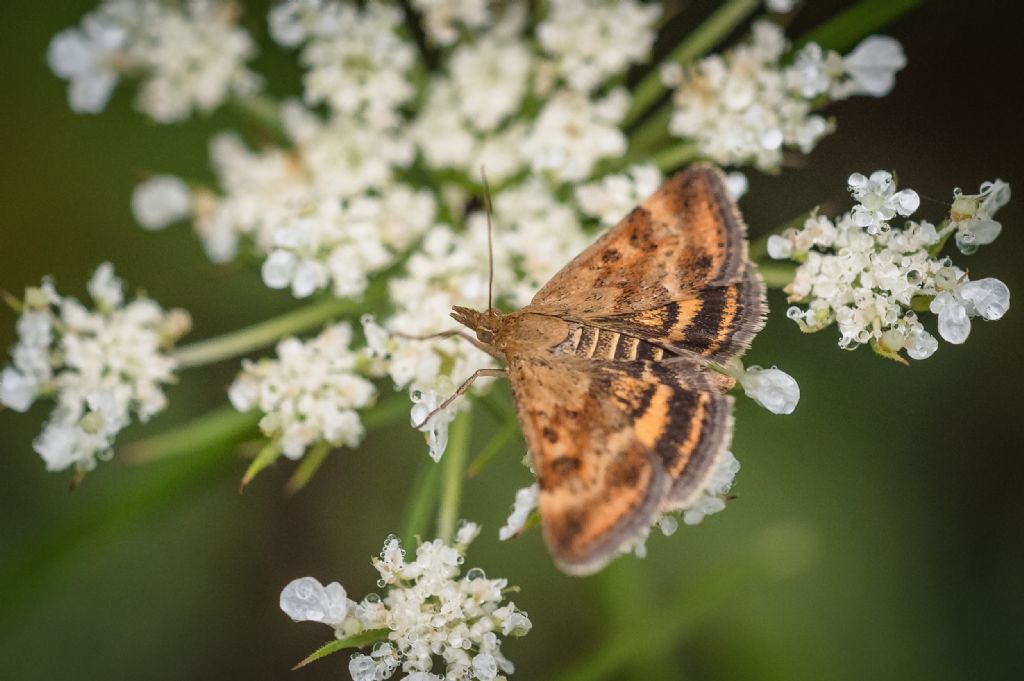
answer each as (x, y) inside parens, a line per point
(453, 473)
(714, 29)
(262, 110)
(221, 424)
(262, 334)
(420, 502)
(777, 274)
(844, 30)
(497, 443)
(673, 157)
(307, 468)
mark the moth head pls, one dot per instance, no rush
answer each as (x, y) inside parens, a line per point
(484, 323)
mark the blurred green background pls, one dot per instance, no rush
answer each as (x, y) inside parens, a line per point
(877, 532)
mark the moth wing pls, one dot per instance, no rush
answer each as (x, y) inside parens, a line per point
(614, 444)
(718, 323)
(684, 238)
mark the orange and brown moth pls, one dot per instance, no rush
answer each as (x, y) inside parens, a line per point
(609, 366)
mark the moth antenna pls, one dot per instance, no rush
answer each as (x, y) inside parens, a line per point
(490, 244)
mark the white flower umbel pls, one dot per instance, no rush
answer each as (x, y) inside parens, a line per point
(160, 201)
(442, 19)
(355, 59)
(429, 614)
(614, 196)
(101, 367)
(868, 276)
(593, 41)
(573, 132)
(746, 106)
(189, 56)
(309, 393)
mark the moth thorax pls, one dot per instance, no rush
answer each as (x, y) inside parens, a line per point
(485, 324)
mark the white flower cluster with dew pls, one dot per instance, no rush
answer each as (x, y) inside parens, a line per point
(309, 393)
(747, 105)
(871, 278)
(188, 56)
(429, 613)
(100, 366)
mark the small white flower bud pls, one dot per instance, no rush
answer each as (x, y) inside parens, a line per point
(773, 389)
(307, 600)
(779, 247)
(160, 201)
(988, 298)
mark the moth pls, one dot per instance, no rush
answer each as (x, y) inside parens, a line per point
(609, 366)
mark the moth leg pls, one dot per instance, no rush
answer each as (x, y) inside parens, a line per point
(479, 373)
(448, 334)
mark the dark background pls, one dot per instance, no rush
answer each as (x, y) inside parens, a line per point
(876, 534)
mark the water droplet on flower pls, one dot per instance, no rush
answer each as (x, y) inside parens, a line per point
(475, 573)
(374, 598)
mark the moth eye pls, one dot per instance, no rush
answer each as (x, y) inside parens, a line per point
(485, 335)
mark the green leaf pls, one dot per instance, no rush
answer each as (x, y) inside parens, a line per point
(220, 425)
(307, 468)
(268, 455)
(921, 303)
(421, 501)
(453, 465)
(358, 641)
(888, 354)
(497, 443)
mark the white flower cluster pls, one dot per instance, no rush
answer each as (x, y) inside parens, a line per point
(443, 18)
(626, 31)
(309, 393)
(355, 60)
(428, 613)
(190, 55)
(100, 366)
(871, 278)
(746, 106)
